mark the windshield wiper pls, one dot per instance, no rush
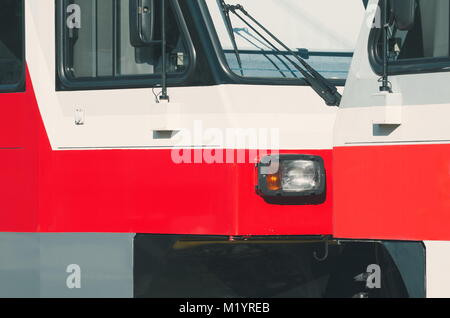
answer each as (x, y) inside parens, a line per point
(231, 31)
(238, 32)
(229, 26)
(321, 85)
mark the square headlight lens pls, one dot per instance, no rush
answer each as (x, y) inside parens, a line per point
(291, 176)
(299, 175)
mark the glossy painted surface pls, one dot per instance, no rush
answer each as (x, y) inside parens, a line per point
(134, 191)
(392, 192)
(22, 139)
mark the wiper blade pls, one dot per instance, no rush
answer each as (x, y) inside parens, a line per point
(321, 86)
(229, 26)
(264, 54)
(238, 32)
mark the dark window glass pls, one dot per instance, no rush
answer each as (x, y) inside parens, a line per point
(429, 37)
(193, 267)
(98, 45)
(11, 45)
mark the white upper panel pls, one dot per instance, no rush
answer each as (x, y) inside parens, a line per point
(123, 118)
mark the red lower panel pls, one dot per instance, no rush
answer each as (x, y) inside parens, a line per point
(20, 135)
(392, 192)
(143, 191)
(133, 190)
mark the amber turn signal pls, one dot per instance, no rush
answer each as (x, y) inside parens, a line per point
(273, 182)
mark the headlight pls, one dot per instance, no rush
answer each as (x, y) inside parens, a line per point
(291, 176)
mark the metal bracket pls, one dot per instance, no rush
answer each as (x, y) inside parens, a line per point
(325, 256)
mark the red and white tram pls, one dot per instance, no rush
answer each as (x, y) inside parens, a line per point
(195, 148)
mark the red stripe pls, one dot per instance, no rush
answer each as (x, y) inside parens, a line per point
(392, 192)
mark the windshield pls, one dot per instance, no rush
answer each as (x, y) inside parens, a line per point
(322, 32)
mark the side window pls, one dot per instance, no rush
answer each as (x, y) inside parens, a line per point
(424, 45)
(429, 38)
(12, 46)
(99, 42)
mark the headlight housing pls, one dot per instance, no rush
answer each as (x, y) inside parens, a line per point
(291, 176)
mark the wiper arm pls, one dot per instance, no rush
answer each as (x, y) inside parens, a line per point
(229, 26)
(321, 86)
(238, 32)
